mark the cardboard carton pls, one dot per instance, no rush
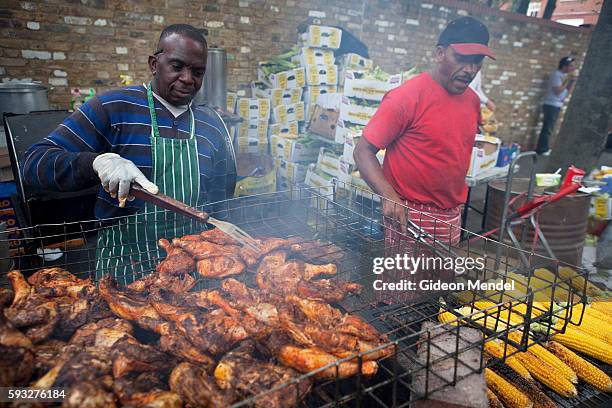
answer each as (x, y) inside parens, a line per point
(369, 89)
(315, 56)
(232, 97)
(277, 96)
(352, 112)
(321, 75)
(293, 78)
(288, 113)
(289, 129)
(484, 154)
(254, 108)
(294, 150)
(323, 122)
(333, 165)
(356, 62)
(256, 174)
(311, 93)
(322, 37)
(291, 171)
(254, 129)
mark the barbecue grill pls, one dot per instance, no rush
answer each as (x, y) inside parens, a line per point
(349, 223)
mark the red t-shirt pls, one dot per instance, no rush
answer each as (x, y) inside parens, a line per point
(428, 134)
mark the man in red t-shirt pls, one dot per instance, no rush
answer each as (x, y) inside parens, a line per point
(428, 126)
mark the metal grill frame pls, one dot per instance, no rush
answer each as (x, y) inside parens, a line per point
(350, 218)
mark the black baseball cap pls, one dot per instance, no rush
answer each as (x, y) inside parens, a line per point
(565, 61)
(467, 36)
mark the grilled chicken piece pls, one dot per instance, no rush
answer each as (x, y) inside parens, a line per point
(197, 389)
(267, 245)
(130, 356)
(306, 360)
(330, 317)
(220, 266)
(327, 290)
(200, 249)
(89, 364)
(56, 282)
(279, 276)
(246, 376)
(36, 315)
(47, 354)
(174, 283)
(318, 251)
(211, 331)
(251, 318)
(6, 297)
(177, 261)
(73, 313)
(258, 305)
(37, 319)
(156, 399)
(146, 390)
(216, 236)
(131, 306)
(88, 394)
(314, 335)
(21, 287)
(86, 334)
(177, 345)
(17, 362)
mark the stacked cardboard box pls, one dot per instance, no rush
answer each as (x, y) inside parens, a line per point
(292, 82)
(295, 86)
(251, 136)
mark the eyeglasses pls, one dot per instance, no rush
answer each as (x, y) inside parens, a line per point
(156, 53)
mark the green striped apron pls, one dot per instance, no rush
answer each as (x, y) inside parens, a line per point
(128, 250)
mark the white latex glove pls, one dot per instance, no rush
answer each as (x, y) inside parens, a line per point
(117, 175)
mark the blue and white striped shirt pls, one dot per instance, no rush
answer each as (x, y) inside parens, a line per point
(118, 121)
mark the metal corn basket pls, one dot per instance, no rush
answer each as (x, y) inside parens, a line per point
(348, 222)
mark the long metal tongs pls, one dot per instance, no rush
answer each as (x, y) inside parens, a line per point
(170, 204)
(425, 238)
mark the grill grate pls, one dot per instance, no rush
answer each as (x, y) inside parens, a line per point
(350, 222)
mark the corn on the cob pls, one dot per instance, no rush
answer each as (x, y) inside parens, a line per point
(589, 325)
(502, 310)
(597, 314)
(447, 317)
(586, 371)
(536, 310)
(543, 279)
(520, 284)
(507, 393)
(467, 296)
(496, 350)
(483, 319)
(578, 282)
(585, 344)
(589, 313)
(603, 306)
(547, 375)
(527, 387)
(494, 402)
(546, 356)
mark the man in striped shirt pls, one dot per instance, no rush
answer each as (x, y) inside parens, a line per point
(150, 134)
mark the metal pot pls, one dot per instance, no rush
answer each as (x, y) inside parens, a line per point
(23, 97)
(214, 89)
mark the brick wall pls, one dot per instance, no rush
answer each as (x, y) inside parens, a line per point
(90, 44)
